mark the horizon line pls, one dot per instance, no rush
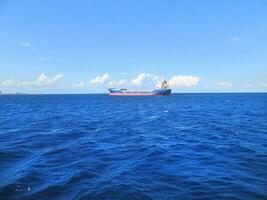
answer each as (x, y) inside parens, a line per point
(3, 94)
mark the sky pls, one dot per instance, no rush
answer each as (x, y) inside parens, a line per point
(85, 46)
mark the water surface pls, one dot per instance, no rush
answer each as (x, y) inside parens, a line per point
(183, 146)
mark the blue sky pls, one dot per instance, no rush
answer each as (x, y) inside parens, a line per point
(87, 46)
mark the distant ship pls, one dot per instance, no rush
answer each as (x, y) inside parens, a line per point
(162, 90)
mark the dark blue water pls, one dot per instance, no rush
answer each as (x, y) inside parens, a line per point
(184, 146)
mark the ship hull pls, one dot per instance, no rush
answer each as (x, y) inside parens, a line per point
(131, 94)
(159, 92)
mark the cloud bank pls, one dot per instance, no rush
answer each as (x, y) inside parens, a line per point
(178, 81)
(141, 80)
(41, 80)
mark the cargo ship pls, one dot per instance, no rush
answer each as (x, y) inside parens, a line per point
(162, 90)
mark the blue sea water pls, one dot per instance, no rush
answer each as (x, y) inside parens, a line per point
(183, 146)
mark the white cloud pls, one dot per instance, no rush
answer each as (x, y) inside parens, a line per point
(158, 84)
(42, 79)
(183, 81)
(143, 77)
(115, 84)
(25, 44)
(100, 79)
(234, 39)
(225, 84)
(79, 85)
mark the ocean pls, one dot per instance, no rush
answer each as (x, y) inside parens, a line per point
(182, 146)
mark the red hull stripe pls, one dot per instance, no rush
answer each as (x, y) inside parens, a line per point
(132, 94)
